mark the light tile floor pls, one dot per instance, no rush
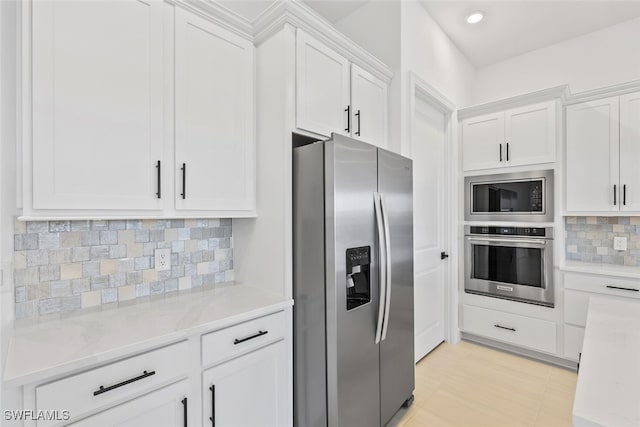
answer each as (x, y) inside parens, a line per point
(469, 385)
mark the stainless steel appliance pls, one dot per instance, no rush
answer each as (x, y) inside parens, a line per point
(352, 284)
(521, 196)
(510, 262)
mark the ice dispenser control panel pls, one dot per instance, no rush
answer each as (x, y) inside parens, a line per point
(358, 281)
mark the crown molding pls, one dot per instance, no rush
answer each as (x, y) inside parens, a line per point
(557, 92)
(604, 92)
(219, 15)
(301, 16)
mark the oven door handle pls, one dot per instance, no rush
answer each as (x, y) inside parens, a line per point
(494, 241)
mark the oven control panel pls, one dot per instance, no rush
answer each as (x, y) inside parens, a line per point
(511, 231)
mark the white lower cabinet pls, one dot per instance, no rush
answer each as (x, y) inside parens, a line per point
(247, 391)
(573, 337)
(167, 407)
(511, 328)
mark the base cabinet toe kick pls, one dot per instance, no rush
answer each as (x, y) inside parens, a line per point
(206, 379)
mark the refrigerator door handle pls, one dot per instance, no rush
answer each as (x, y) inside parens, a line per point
(387, 247)
(383, 264)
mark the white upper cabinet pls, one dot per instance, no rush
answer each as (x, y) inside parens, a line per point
(214, 118)
(97, 124)
(369, 103)
(593, 156)
(334, 95)
(483, 142)
(322, 104)
(139, 108)
(516, 137)
(630, 151)
(530, 134)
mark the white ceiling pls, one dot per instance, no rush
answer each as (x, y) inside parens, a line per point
(511, 28)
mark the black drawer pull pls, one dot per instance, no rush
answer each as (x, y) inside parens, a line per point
(184, 413)
(623, 289)
(212, 418)
(500, 152)
(358, 116)
(104, 389)
(504, 327)
(259, 334)
(184, 181)
(348, 111)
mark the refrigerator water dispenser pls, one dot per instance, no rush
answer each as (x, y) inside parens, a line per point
(358, 279)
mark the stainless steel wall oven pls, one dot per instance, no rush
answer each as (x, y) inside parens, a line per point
(513, 263)
(521, 196)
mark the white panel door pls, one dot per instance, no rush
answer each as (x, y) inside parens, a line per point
(593, 156)
(248, 391)
(160, 408)
(429, 225)
(322, 87)
(369, 100)
(630, 151)
(97, 104)
(530, 134)
(215, 147)
(483, 144)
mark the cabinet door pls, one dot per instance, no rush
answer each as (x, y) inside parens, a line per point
(630, 151)
(160, 408)
(322, 87)
(214, 110)
(97, 104)
(530, 134)
(369, 99)
(483, 142)
(593, 156)
(248, 391)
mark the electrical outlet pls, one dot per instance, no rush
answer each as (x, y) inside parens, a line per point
(163, 259)
(620, 243)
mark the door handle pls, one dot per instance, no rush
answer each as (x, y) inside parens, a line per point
(614, 195)
(624, 194)
(444, 255)
(212, 418)
(159, 180)
(358, 116)
(383, 265)
(504, 327)
(348, 111)
(507, 151)
(387, 246)
(184, 181)
(185, 421)
(501, 152)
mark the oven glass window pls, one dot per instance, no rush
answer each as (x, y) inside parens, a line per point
(513, 197)
(518, 266)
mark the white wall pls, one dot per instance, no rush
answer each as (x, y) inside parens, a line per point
(428, 52)
(599, 59)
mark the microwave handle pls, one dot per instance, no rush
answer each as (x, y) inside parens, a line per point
(492, 241)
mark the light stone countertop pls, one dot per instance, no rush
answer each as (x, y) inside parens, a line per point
(53, 347)
(608, 389)
(631, 272)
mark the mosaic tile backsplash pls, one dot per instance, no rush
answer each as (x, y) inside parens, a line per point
(61, 266)
(590, 239)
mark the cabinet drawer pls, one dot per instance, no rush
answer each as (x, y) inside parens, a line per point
(627, 288)
(576, 305)
(240, 338)
(511, 328)
(82, 393)
(573, 337)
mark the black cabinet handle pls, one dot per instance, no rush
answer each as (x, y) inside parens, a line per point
(579, 359)
(212, 418)
(184, 412)
(103, 389)
(444, 255)
(507, 151)
(184, 181)
(348, 111)
(624, 194)
(259, 334)
(623, 289)
(358, 116)
(159, 180)
(504, 327)
(615, 200)
(500, 152)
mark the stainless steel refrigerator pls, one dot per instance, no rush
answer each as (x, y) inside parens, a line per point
(352, 284)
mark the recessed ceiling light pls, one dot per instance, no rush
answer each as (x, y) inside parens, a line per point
(475, 17)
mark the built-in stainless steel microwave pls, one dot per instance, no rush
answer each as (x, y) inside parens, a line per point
(521, 196)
